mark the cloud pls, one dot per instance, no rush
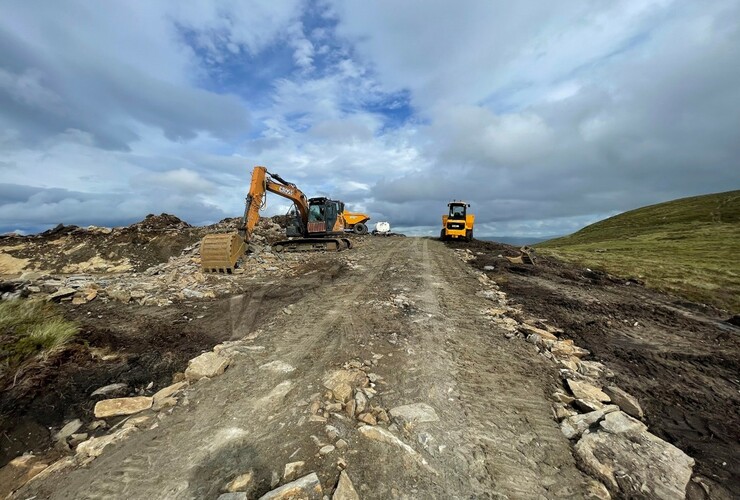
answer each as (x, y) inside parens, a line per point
(544, 117)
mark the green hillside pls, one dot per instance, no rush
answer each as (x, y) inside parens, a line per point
(690, 247)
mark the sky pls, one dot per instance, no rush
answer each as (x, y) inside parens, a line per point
(544, 116)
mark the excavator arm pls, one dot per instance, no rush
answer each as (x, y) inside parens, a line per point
(263, 182)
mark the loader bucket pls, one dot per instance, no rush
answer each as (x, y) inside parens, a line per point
(220, 252)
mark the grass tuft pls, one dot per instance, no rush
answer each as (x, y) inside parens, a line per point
(31, 328)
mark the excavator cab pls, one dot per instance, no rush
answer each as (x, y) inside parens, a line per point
(325, 217)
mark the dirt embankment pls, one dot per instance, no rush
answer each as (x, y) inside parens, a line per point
(143, 307)
(680, 359)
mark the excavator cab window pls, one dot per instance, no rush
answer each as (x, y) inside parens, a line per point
(316, 213)
(457, 212)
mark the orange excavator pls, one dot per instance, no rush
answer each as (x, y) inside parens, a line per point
(319, 225)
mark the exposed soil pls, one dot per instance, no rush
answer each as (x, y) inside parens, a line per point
(135, 345)
(407, 309)
(681, 360)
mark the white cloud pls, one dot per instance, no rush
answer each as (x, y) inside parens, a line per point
(543, 115)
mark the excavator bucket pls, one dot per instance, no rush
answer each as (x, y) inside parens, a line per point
(219, 252)
(526, 256)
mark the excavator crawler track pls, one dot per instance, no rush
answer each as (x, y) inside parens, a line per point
(312, 245)
(219, 253)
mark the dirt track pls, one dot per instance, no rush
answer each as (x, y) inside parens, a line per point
(495, 433)
(407, 307)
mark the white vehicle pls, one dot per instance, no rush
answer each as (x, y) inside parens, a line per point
(382, 228)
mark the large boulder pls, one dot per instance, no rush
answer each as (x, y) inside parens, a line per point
(632, 462)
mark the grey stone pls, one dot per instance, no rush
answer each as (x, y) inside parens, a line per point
(278, 367)
(345, 489)
(360, 402)
(619, 422)
(627, 402)
(306, 488)
(574, 426)
(68, 429)
(635, 464)
(414, 414)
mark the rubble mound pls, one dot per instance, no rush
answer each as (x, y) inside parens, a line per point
(135, 248)
(161, 222)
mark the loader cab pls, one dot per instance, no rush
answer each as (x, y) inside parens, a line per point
(458, 210)
(457, 223)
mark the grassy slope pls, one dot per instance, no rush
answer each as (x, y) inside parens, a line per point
(690, 247)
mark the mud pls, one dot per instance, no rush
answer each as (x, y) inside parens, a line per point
(681, 360)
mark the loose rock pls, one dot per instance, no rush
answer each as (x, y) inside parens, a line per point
(413, 414)
(168, 391)
(292, 470)
(241, 483)
(208, 364)
(93, 447)
(574, 426)
(384, 436)
(122, 406)
(636, 464)
(345, 489)
(627, 402)
(306, 488)
(109, 390)
(584, 390)
(69, 429)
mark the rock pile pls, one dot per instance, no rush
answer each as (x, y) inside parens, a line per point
(179, 278)
(611, 443)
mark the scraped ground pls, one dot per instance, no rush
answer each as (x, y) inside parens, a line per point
(495, 434)
(410, 305)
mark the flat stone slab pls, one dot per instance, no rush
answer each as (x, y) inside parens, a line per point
(415, 413)
(122, 406)
(584, 390)
(627, 402)
(208, 364)
(168, 391)
(345, 489)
